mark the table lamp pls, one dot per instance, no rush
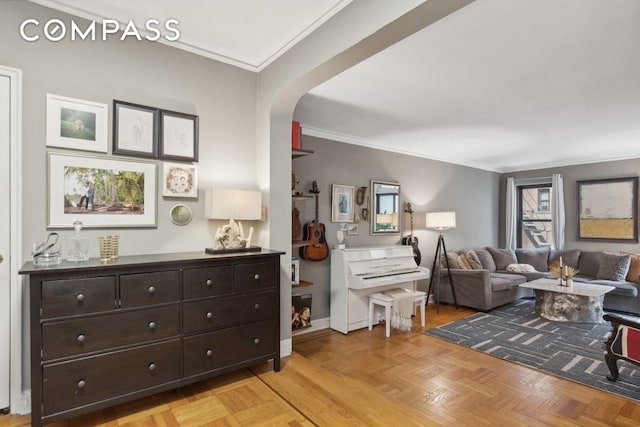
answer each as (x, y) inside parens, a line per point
(234, 205)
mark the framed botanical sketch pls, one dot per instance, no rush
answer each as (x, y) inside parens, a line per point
(178, 136)
(100, 192)
(135, 129)
(76, 124)
(179, 180)
(608, 209)
(342, 203)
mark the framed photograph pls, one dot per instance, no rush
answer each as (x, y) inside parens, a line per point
(135, 129)
(76, 124)
(608, 209)
(100, 192)
(179, 180)
(353, 229)
(301, 311)
(179, 136)
(342, 203)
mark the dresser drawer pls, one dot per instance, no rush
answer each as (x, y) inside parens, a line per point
(215, 313)
(73, 384)
(149, 288)
(250, 277)
(214, 350)
(71, 297)
(207, 282)
(73, 337)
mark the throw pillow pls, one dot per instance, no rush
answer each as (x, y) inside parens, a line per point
(569, 257)
(613, 267)
(473, 259)
(463, 262)
(452, 257)
(633, 275)
(538, 258)
(521, 268)
(502, 257)
(589, 263)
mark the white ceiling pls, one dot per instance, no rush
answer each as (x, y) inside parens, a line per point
(499, 85)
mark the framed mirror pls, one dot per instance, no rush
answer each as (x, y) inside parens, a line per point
(385, 207)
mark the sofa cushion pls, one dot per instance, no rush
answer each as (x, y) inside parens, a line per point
(627, 289)
(569, 258)
(633, 275)
(589, 262)
(534, 275)
(473, 259)
(613, 267)
(538, 258)
(505, 281)
(486, 260)
(502, 257)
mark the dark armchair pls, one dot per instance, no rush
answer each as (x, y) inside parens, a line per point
(623, 343)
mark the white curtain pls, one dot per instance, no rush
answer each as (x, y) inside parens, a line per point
(511, 214)
(557, 211)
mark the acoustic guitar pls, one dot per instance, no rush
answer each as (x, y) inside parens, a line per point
(412, 240)
(314, 232)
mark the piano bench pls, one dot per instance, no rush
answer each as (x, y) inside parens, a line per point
(381, 299)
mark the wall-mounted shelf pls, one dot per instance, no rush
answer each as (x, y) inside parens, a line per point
(299, 243)
(301, 197)
(303, 284)
(300, 152)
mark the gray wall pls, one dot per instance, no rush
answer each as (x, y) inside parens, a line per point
(427, 184)
(615, 169)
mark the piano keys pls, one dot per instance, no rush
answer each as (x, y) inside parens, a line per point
(358, 272)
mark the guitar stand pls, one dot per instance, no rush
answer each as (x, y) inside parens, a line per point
(441, 249)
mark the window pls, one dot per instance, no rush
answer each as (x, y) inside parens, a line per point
(534, 216)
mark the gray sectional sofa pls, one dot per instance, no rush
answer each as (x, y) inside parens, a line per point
(481, 279)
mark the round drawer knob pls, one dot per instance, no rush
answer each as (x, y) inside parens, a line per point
(152, 366)
(152, 325)
(81, 384)
(80, 297)
(256, 340)
(209, 282)
(152, 290)
(209, 315)
(256, 306)
(80, 338)
(257, 277)
(209, 353)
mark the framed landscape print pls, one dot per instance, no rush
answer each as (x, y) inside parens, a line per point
(135, 129)
(179, 136)
(342, 203)
(179, 180)
(100, 192)
(76, 124)
(608, 209)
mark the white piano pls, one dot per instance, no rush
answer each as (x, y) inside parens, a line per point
(358, 272)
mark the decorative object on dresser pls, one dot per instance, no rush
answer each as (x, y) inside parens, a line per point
(232, 205)
(412, 240)
(356, 273)
(441, 221)
(106, 334)
(314, 232)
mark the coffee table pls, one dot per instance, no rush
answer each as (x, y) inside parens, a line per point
(580, 302)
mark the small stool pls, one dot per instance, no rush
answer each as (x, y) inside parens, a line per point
(387, 302)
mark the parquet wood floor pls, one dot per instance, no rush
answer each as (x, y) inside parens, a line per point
(365, 379)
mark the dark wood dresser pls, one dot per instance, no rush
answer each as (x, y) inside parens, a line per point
(103, 334)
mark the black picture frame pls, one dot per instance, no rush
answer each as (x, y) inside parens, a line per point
(608, 209)
(135, 129)
(178, 136)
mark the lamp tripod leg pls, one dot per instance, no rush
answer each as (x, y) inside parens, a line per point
(453, 292)
(435, 273)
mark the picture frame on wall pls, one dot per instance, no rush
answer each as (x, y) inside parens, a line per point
(77, 124)
(608, 209)
(135, 129)
(178, 136)
(342, 203)
(179, 180)
(101, 192)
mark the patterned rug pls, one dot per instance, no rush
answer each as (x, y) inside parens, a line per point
(574, 351)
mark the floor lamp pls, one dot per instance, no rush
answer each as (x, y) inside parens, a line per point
(441, 221)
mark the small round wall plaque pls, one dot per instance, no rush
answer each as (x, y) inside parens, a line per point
(180, 214)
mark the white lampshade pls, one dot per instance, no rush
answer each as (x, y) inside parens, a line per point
(441, 220)
(233, 204)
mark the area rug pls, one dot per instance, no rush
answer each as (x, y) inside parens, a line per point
(574, 351)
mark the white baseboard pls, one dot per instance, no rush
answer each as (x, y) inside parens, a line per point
(24, 404)
(286, 347)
